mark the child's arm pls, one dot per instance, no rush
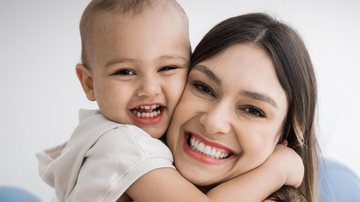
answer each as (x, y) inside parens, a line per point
(283, 166)
(164, 185)
(168, 185)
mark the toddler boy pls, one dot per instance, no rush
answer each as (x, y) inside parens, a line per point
(135, 57)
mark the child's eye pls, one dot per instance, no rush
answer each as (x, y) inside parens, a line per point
(203, 88)
(167, 68)
(253, 111)
(125, 72)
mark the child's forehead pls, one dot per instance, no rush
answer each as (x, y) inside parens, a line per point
(112, 30)
(115, 24)
(109, 21)
(116, 37)
(101, 14)
(106, 22)
(164, 9)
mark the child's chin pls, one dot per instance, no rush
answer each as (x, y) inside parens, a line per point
(157, 133)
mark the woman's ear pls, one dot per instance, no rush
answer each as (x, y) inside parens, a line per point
(86, 80)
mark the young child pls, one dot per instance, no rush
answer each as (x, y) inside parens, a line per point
(135, 57)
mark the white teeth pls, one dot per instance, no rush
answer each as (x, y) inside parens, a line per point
(201, 147)
(147, 107)
(146, 114)
(207, 150)
(212, 152)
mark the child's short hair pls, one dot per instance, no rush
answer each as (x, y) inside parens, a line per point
(97, 7)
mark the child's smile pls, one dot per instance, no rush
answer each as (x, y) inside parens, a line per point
(148, 113)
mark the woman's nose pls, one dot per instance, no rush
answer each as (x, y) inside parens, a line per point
(149, 86)
(216, 120)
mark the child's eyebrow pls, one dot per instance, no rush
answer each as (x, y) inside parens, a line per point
(132, 60)
(174, 57)
(119, 60)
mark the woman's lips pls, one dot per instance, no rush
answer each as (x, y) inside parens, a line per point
(206, 151)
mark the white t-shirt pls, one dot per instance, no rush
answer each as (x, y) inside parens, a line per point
(101, 159)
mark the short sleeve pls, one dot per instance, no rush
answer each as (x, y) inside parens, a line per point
(117, 160)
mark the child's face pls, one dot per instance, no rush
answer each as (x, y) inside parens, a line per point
(139, 66)
(230, 116)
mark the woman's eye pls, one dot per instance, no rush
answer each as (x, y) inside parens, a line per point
(167, 68)
(203, 88)
(253, 111)
(125, 72)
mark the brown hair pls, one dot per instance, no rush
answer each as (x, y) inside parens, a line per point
(295, 73)
(97, 7)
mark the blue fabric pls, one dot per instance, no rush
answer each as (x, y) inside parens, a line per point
(337, 183)
(14, 194)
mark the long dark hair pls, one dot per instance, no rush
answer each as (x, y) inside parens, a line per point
(295, 73)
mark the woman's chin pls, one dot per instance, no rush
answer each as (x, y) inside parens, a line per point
(198, 177)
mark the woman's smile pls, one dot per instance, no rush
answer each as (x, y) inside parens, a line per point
(206, 151)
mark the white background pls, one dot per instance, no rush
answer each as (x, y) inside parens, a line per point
(40, 95)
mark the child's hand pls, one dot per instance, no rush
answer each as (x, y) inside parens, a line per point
(291, 164)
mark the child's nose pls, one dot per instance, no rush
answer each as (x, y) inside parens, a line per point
(216, 120)
(149, 86)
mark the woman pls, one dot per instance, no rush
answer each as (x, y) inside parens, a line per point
(251, 86)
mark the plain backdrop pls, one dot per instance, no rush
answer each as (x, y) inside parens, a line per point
(40, 94)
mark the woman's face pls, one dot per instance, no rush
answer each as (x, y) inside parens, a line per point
(230, 116)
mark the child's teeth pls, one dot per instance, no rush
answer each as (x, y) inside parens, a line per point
(143, 111)
(146, 114)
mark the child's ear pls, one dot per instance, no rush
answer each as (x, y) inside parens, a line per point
(86, 80)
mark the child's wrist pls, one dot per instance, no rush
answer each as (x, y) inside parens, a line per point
(278, 169)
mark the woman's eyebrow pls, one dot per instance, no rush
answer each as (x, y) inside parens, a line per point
(259, 96)
(251, 94)
(204, 69)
